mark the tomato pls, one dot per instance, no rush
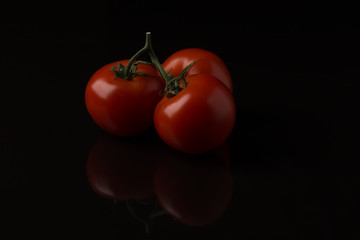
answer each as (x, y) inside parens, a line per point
(123, 107)
(207, 62)
(195, 189)
(199, 118)
(121, 170)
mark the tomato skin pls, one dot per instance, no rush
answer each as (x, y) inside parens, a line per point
(207, 62)
(123, 107)
(199, 118)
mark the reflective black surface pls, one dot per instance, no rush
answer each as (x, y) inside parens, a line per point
(288, 170)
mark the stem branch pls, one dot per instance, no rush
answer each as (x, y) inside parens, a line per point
(155, 61)
(135, 57)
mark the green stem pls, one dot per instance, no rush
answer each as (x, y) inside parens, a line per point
(167, 77)
(155, 61)
(135, 57)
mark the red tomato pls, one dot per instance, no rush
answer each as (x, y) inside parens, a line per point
(123, 107)
(199, 118)
(195, 189)
(208, 63)
(121, 170)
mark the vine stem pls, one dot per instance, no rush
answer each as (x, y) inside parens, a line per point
(155, 61)
(172, 86)
(167, 77)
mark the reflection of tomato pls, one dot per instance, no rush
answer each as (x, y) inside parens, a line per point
(194, 189)
(207, 62)
(199, 118)
(121, 170)
(123, 107)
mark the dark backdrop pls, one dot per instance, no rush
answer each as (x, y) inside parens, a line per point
(293, 150)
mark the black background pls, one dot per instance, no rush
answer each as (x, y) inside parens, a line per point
(296, 83)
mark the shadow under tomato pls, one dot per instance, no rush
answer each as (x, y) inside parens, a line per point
(121, 169)
(194, 189)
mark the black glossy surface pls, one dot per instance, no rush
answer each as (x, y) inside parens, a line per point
(293, 152)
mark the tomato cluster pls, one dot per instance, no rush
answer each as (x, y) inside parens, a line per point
(188, 98)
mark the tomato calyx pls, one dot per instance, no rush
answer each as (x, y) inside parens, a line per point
(176, 84)
(120, 71)
(129, 71)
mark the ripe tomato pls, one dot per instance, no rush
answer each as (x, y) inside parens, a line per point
(195, 189)
(199, 118)
(121, 170)
(207, 62)
(123, 107)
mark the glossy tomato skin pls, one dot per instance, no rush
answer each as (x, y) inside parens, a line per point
(123, 107)
(207, 62)
(199, 118)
